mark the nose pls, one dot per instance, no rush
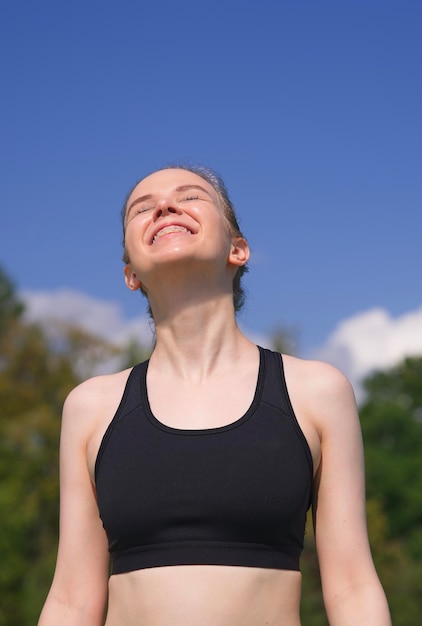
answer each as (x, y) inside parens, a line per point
(165, 207)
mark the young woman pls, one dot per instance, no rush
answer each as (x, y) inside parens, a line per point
(195, 470)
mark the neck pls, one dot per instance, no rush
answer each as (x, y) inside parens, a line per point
(195, 338)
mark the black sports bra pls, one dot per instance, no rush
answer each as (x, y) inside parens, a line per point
(232, 495)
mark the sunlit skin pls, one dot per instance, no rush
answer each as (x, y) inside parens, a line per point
(202, 374)
(193, 257)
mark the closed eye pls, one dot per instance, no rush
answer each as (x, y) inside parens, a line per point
(187, 198)
(144, 209)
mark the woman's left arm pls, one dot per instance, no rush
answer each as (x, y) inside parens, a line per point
(351, 588)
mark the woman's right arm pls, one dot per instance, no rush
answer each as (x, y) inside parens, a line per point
(78, 594)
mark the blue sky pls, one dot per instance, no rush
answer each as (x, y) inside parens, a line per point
(310, 110)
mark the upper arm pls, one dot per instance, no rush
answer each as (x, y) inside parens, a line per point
(80, 580)
(339, 503)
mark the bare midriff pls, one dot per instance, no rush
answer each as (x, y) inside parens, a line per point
(208, 595)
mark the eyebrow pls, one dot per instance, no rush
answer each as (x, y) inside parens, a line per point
(148, 196)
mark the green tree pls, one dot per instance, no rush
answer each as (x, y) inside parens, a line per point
(391, 419)
(134, 352)
(392, 428)
(285, 340)
(10, 305)
(33, 383)
(37, 370)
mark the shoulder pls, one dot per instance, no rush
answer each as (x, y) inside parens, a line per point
(322, 390)
(94, 388)
(92, 398)
(87, 412)
(317, 376)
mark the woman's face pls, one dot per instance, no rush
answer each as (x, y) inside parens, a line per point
(174, 216)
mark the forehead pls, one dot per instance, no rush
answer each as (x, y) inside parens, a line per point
(168, 180)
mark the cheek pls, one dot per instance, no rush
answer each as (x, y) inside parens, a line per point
(130, 246)
(223, 225)
(135, 229)
(227, 233)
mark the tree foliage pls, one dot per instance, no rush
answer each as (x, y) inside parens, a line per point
(392, 428)
(10, 306)
(37, 370)
(391, 420)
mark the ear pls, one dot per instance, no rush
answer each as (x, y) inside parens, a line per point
(131, 279)
(239, 252)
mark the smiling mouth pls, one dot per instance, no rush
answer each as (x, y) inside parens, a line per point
(170, 229)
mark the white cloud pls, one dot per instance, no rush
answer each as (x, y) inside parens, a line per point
(372, 340)
(99, 317)
(359, 345)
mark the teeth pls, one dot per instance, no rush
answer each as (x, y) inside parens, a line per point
(170, 229)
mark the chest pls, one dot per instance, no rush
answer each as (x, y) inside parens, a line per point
(214, 403)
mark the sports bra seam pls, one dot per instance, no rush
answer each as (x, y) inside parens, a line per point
(206, 543)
